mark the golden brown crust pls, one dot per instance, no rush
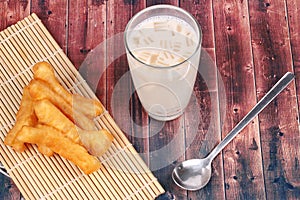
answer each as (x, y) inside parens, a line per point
(50, 115)
(54, 139)
(40, 90)
(89, 107)
(24, 116)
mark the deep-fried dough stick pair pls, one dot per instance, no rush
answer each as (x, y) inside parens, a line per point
(40, 90)
(79, 109)
(89, 107)
(96, 142)
(52, 138)
(25, 117)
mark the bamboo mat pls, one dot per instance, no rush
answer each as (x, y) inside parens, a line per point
(123, 175)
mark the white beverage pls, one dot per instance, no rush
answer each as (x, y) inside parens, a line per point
(163, 62)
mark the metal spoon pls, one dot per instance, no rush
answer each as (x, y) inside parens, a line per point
(194, 174)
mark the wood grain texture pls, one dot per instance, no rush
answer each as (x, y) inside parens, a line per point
(86, 31)
(140, 120)
(3, 20)
(8, 190)
(13, 11)
(167, 148)
(122, 101)
(117, 66)
(167, 140)
(17, 10)
(279, 129)
(77, 32)
(242, 157)
(94, 72)
(155, 2)
(54, 15)
(207, 95)
(293, 8)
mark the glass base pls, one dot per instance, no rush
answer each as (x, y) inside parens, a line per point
(165, 118)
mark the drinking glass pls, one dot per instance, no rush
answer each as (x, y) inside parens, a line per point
(163, 45)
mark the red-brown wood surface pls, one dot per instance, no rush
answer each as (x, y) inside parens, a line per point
(242, 157)
(279, 129)
(54, 15)
(206, 91)
(247, 45)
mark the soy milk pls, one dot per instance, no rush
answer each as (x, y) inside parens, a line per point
(163, 62)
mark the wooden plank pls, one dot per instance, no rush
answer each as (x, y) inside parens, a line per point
(279, 121)
(206, 92)
(13, 11)
(166, 142)
(293, 7)
(122, 102)
(140, 125)
(167, 148)
(54, 16)
(87, 30)
(242, 157)
(117, 18)
(77, 32)
(154, 2)
(8, 190)
(3, 14)
(124, 105)
(95, 36)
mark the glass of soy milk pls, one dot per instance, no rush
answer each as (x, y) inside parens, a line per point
(163, 45)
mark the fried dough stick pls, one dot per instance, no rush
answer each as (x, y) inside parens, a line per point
(96, 142)
(89, 107)
(49, 114)
(25, 116)
(54, 139)
(45, 150)
(40, 90)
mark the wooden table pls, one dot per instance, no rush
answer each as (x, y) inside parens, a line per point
(251, 43)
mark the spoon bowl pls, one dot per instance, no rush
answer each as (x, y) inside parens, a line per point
(190, 173)
(194, 174)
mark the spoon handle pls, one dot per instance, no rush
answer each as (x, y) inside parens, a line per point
(275, 90)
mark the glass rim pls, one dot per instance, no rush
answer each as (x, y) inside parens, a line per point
(198, 32)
